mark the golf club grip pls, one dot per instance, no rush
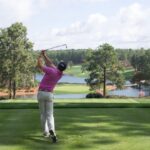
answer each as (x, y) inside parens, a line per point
(43, 50)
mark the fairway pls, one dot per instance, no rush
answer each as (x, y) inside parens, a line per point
(76, 71)
(72, 89)
(86, 128)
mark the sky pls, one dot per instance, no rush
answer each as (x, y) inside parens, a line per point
(81, 23)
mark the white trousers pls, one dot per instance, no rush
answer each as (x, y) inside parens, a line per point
(45, 100)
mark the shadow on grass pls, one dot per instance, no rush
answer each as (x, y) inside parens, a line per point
(103, 140)
(127, 123)
(76, 128)
(121, 121)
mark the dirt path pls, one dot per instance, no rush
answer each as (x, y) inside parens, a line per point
(20, 92)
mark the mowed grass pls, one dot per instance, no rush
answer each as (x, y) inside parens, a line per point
(77, 129)
(71, 88)
(81, 101)
(76, 71)
(128, 74)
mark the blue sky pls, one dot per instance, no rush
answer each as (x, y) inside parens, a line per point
(81, 23)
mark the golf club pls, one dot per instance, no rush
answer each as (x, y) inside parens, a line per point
(55, 47)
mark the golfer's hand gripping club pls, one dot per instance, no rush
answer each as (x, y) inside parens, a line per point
(43, 52)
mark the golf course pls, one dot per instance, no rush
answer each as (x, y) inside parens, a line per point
(74, 75)
(91, 124)
(106, 124)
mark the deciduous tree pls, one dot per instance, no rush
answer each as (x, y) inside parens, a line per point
(102, 65)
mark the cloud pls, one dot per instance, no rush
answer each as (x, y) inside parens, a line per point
(131, 24)
(93, 1)
(92, 24)
(19, 10)
(129, 27)
(79, 1)
(77, 33)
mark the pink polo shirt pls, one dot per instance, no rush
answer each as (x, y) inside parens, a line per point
(50, 79)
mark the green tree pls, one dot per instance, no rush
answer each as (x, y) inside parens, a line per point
(17, 58)
(137, 59)
(102, 65)
(141, 63)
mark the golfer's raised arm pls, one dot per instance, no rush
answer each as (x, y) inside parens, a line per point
(47, 60)
(39, 62)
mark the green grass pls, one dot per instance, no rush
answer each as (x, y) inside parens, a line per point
(71, 88)
(128, 74)
(77, 129)
(79, 103)
(76, 71)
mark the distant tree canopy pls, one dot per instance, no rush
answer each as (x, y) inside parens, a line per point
(16, 58)
(77, 56)
(127, 57)
(74, 56)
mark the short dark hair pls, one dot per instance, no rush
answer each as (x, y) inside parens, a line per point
(62, 66)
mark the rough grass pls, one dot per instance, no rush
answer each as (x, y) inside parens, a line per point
(77, 129)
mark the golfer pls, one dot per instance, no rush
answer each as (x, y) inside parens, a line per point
(45, 93)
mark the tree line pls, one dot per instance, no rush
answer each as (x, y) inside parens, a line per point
(70, 56)
(18, 61)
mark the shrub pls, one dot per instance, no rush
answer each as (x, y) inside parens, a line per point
(94, 95)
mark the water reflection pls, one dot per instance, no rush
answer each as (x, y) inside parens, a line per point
(65, 79)
(56, 96)
(129, 91)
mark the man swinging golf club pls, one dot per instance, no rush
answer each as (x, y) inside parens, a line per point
(45, 93)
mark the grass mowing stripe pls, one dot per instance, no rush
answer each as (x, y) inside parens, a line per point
(90, 129)
(75, 105)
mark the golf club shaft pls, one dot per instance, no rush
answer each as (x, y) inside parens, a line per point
(55, 47)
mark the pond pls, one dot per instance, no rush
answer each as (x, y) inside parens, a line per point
(128, 91)
(56, 96)
(65, 79)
